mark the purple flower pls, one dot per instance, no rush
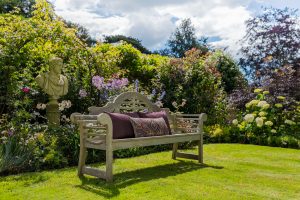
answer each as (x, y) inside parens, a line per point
(136, 84)
(98, 82)
(163, 94)
(82, 93)
(116, 84)
(153, 92)
(10, 132)
(124, 82)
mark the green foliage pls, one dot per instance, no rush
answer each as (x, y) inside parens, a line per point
(137, 65)
(24, 7)
(82, 33)
(232, 77)
(36, 146)
(13, 156)
(196, 80)
(184, 39)
(136, 43)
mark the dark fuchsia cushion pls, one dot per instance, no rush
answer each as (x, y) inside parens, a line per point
(162, 114)
(148, 127)
(122, 127)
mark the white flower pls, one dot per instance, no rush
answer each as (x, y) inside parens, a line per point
(266, 106)
(64, 104)
(82, 93)
(44, 106)
(269, 123)
(261, 104)
(266, 92)
(259, 121)
(252, 103)
(41, 106)
(68, 104)
(290, 122)
(273, 131)
(258, 90)
(159, 104)
(249, 118)
(262, 113)
(174, 104)
(61, 108)
(235, 122)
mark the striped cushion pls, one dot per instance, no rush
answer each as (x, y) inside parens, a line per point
(147, 127)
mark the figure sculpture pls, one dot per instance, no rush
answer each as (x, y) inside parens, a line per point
(55, 85)
(53, 82)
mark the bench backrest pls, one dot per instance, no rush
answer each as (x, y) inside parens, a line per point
(127, 102)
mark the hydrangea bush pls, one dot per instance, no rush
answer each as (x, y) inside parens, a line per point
(270, 119)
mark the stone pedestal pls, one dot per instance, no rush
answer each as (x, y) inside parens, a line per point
(53, 113)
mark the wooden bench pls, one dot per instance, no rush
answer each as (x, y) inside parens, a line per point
(96, 132)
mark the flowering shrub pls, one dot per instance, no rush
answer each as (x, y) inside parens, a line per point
(195, 79)
(267, 117)
(106, 90)
(36, 146)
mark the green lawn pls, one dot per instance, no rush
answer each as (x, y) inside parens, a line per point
(232, 171)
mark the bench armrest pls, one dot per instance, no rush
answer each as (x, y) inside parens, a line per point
(188, 123)
(104, 119)
(76, 118)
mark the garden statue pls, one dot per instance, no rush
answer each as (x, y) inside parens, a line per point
(55, 85)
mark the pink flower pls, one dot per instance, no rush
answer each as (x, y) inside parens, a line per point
(82, 93)
(26, 89)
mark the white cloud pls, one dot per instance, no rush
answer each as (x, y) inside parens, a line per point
(97, 25)
(153, 21)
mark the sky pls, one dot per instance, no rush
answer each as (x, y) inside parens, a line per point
(153, 21)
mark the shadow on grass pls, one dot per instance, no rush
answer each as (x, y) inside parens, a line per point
(124, 179)
(27, 179)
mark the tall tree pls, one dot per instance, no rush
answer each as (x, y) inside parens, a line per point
(184, 39)
(25, 6)
(133, 41)
(82, 33)
(272, 40)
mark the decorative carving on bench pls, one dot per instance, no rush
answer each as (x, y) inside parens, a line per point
(126, 102)
(96, 131)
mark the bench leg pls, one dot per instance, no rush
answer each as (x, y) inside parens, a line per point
(82, 159)
(109, 165)
(174, 152)
(200, 150)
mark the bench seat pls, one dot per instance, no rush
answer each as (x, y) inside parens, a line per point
(144, 141)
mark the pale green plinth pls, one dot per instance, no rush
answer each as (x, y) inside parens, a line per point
(53, 113)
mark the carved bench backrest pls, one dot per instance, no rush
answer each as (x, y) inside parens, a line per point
(127, 102)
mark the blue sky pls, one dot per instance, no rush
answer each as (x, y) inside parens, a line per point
(152, 21)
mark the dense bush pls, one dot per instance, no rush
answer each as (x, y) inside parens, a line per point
(195, 80)
(284, 81)
(232, 78)
(266, 120)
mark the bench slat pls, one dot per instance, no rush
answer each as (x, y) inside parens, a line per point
(155, 140)
(93, 172)
(187, 155)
